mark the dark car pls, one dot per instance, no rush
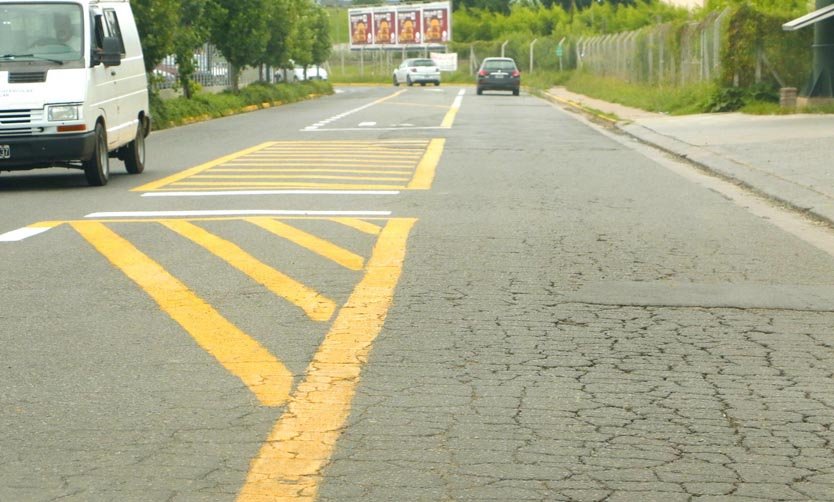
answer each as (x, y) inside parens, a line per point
(499, 74)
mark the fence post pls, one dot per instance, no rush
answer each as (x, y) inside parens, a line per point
(531, 53)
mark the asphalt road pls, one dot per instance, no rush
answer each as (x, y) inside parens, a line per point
(411, 294)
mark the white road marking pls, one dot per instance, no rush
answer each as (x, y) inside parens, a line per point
(271, 192)
(317, 125)
(367, 124)
(22, 233)
(232, 212)
(429, 128)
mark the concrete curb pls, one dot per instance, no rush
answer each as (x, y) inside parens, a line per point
(797, 197)
(786, 192)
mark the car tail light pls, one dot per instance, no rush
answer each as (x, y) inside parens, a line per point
(414, 70)
(516, 73)
(483, 73)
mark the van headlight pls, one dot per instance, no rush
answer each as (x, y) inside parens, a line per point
(63, 113)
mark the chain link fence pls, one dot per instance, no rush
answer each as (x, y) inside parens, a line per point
(659, 55)
(212, 72)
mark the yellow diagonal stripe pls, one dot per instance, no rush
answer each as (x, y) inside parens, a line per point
(289, 465)
(306, 240)
(316, 306)
(242, 356)
(424, 175)
(361, 225)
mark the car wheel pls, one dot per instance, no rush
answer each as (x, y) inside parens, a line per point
(135, 152)
(436, 83)
(97, 169)
(396, 82)
(408, 81)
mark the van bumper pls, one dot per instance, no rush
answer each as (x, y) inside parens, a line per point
(29, 152)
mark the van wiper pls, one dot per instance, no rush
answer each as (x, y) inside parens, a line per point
(15, 56)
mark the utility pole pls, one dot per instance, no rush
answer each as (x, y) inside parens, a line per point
(821, 87)
(822, 84)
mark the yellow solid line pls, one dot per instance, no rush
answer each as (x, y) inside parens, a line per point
(361, 225)
(288, 466)
(194, 170)
(296, 177)
(45, 224)
(242, 356)
(349, 160)
(316, 306)
(449, 119)
(424, 175)
(282, 170)
(306, 240)
(255, 184)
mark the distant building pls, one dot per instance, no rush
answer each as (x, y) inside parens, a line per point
(687, 3)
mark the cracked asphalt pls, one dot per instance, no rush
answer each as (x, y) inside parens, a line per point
(575, 321)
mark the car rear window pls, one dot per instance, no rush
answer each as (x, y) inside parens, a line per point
(499, 65)
(423, 62)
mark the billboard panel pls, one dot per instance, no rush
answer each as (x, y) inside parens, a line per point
(360, 28)
(385, 32)
(392, 27)
(409, 26)
(436, 24)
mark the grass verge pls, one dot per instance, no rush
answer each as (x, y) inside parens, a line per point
(204, 106)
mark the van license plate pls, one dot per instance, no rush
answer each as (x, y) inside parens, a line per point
(5, 152)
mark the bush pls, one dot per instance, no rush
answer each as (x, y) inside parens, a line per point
(178, 111)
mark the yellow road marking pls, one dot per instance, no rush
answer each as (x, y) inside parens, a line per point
(424, 176)
(194, 170)
(322, 163)
(266, 184)
(297, 177)
(316, 306)
(46, 224)
(361, 225)
(282, 170)
(242, 356)
(288, 466)
(449, 119)
(308, 241)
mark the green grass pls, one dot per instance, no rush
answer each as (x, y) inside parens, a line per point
(669, 100)
(203, 106)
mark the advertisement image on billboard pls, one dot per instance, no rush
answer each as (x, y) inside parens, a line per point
(360, 28)
(436, 25)
(385, 28)
(402, 26)
(408, 24)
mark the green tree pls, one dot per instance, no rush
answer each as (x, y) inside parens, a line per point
(322, 44)
(193, 32)
(157, 21)
(241, 31)
(278, 47)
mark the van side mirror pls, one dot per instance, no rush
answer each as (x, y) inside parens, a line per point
(111, 53)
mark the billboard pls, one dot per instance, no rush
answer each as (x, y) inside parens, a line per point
(402, 26)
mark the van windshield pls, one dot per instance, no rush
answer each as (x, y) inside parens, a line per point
(41, 31)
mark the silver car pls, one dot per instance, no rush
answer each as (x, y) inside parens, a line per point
(417, 71)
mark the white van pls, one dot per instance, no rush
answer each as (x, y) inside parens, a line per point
(73, 89)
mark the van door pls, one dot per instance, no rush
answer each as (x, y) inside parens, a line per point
(104, 83)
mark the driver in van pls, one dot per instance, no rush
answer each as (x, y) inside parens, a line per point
(67, 33)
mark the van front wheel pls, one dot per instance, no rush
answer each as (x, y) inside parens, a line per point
(97, 169)
(134, 153)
